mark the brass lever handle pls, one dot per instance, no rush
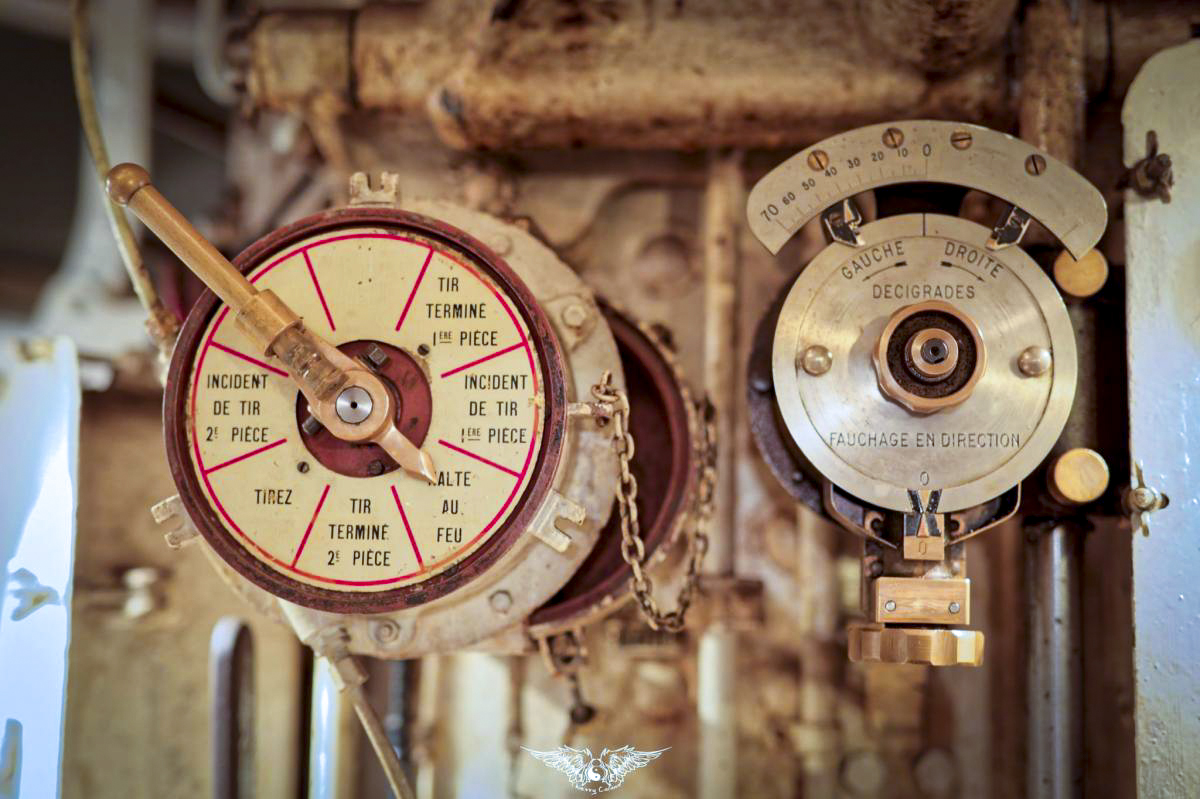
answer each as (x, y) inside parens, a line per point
(322, 372)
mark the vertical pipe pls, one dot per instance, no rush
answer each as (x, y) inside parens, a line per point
(815, 737)
(334, 741)
(1055, 729)
(1051, 117)
(717, 664)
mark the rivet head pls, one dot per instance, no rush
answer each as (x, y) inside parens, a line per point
(501, 601)
(1034, 361)
(890, 605)
(954, 607)
(816, 360)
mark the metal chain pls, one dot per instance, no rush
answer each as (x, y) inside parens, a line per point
(633, 547)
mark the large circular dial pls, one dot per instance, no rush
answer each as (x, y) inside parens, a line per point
(476, 379)
(907, 364)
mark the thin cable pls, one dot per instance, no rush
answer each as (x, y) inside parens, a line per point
(162, 324)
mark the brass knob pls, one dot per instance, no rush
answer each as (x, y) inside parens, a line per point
(1081, 278)
(1078, 476)
(935, 646)
(123, 182)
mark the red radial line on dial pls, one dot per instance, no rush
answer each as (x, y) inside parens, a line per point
(247, 358)
(479, 458)
(411, 538)
(417, 285)
(249, 454)
(312, 522)
(320, 294)
(485, 358)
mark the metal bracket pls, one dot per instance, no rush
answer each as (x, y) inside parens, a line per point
(1010, 229)
(171, 511)
(556, 508)
(842, 221)
(388, 192)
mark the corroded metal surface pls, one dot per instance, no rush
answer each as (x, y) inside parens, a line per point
(630, 75)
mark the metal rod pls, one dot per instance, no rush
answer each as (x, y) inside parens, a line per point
(163, 325)
(717, 665)
(377, 735)
(1055, 670)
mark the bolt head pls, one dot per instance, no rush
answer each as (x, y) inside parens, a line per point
(501, 244)
(954, 607)
(816, 360)
(376, 355)
(1034, 361)
(575, 315)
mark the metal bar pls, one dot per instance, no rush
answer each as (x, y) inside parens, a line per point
(717, 665)
(1055, 724)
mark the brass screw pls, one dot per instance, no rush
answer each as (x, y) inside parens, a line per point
(818, 160)
(893, 137)
(1035, 164)
(961, 139)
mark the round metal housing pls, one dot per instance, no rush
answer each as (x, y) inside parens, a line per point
(863, 438)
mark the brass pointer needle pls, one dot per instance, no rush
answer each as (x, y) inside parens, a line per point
(350, 400)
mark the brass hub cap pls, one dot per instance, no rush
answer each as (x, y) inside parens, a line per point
(930, 356)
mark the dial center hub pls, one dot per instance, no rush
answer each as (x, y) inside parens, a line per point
(402, 376)
(930, 356)
(354, 405)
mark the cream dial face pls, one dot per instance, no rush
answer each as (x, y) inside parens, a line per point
(871, 445)
(470, 390)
